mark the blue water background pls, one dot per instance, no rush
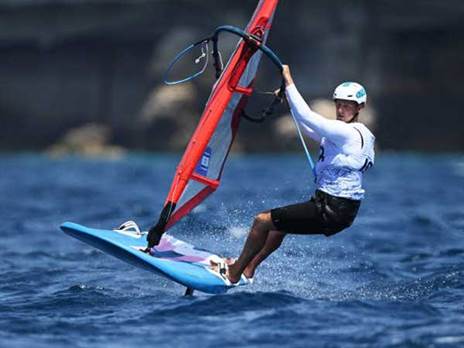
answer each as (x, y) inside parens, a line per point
(394, 279)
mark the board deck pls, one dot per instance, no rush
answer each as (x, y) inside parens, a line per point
(174, 259)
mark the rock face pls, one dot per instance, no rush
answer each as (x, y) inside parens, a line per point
(64, 64)
(168, 113)
(89, 140)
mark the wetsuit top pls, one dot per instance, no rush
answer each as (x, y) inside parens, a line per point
(346, 149)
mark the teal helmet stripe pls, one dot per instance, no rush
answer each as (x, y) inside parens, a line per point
(361, 93)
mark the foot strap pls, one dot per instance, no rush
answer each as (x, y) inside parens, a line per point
(129, 226)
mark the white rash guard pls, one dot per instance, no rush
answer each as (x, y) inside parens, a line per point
(346, 152)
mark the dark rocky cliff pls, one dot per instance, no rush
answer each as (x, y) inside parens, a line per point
(64, 64)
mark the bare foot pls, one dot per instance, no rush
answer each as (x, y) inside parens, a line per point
(248, 272)
(215, 266)
(233, 278)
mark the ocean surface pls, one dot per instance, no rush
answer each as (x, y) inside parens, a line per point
(394, 279)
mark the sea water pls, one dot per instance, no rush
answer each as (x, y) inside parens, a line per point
(394, 279)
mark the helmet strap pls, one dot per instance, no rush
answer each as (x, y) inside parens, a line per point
(355, 118)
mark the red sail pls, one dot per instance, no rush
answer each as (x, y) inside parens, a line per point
(199, 171)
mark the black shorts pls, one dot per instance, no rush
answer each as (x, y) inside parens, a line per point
(323, 214)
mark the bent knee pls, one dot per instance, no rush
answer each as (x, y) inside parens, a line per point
(263, 219)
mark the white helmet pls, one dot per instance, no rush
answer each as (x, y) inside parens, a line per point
(350, 91)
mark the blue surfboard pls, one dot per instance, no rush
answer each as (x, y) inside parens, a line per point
(172, 258)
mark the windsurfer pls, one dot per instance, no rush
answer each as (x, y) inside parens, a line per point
(346, 152)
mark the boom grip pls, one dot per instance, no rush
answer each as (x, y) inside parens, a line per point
(250, 39)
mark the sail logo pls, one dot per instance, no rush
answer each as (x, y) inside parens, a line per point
(203, 165)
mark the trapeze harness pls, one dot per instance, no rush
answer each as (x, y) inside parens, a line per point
(346, 152)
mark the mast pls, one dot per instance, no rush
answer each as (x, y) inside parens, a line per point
(199, 172)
